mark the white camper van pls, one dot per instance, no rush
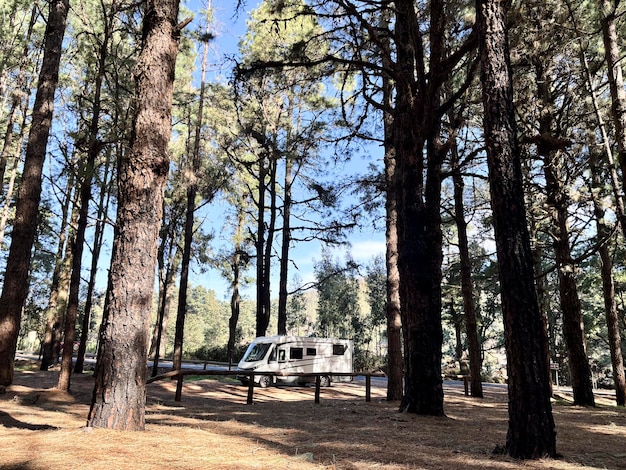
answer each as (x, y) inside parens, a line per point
(285, 354)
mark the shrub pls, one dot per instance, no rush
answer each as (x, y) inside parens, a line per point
(366, 361)
(219, 353)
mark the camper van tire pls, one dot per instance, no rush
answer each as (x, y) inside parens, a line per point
(265, 381)
(324, 381)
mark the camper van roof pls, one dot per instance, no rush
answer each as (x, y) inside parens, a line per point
(287, 338)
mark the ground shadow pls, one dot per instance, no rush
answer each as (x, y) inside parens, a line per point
(9, 421)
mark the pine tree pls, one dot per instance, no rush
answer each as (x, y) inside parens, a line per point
(531, 431)
(119, 392)
(15, 286)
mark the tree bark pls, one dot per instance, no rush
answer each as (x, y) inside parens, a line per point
(169, 255)
(531, 432)
(556, 199)
(269, 242)
(57, 302)
(181, 311)
(467, 290)
(239, 260)
(415, 128)
(285, 245)
(120, 377)
(395, 370)
(74, 254)
(608, 284)
(573, 331)
(262, 316)
(235, 310)
(168, 270)
(394, 323)
(612, 318)
(15, 288)
(549, 321)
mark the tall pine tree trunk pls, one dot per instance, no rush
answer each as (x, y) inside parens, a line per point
(556, 197)
(120, 377)
(614, 336)
(418, 207)
(235, 307)
(57, 302)
(467, 291)
(394, 322)
(395, 367)
(76, 242)
(15, 288)
(269, 242)
(168, 270)
(262, 316)
(169, 256)
(181, 311)
(239, 261)
(284, 251)
(549, 320)
(608, 284)
(531, 432)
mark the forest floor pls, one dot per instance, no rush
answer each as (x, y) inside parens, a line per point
(213, 428)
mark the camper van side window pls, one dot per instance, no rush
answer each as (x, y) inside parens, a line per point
(295, 353)
(339, 349)
(281, 355)
(311, 351)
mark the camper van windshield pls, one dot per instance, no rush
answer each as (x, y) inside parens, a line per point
(257, 352)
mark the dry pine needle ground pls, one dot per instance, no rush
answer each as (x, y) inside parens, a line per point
(213, 428)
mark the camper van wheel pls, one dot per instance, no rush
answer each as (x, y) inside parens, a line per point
(265, 381)
(324, 381)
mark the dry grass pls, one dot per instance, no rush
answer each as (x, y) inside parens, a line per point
(213, 428)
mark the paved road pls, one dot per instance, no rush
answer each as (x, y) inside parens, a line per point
(375, 381)
(91, 359)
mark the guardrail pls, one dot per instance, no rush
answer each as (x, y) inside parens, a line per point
(181, 373)
(204, 362)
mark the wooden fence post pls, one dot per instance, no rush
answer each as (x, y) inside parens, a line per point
(250, 389)
(318, 382)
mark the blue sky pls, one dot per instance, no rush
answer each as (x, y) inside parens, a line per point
(365, 243)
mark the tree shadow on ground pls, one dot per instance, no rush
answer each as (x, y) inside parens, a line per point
(8, 421)
(345, 429)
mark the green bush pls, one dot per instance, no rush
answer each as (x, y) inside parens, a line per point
(368, 362)
(219, 353)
